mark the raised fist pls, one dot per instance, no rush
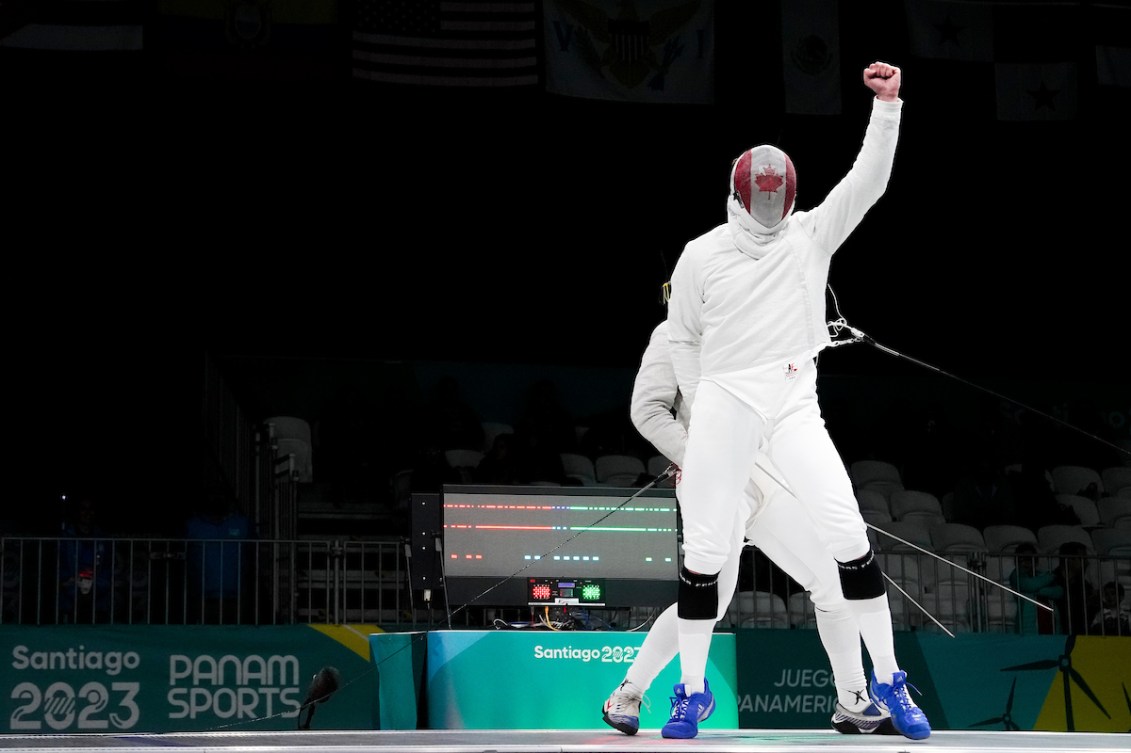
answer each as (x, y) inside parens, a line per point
(884, 80)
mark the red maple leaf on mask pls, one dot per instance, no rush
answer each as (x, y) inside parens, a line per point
(768, 180)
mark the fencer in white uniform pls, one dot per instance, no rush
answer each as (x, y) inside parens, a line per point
(746, 321)
(774, 522)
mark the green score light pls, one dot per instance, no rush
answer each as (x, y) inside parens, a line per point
(590, 592)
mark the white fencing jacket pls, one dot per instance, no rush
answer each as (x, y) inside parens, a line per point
(744, 297)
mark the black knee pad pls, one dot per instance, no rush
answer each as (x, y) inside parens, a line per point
(861, 579)
(698, 597)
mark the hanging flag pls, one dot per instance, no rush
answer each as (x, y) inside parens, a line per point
(471, 43)
(811, 57)
(1036, 60)
(1108, 25)
(72, 40)
(1113, 65)
(248, 39)
(951, 29)
(1035, 91)
(1019, 57)
(631, 50)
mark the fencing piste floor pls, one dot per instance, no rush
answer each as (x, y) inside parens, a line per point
(567, 741)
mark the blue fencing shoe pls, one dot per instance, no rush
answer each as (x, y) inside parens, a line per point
(688, 711)
(908, 719)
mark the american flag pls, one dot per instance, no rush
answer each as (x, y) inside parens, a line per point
(469, 43)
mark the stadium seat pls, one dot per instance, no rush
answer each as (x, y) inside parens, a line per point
(619, 470)
(758, 609)
(875, 474)
(1076, 479)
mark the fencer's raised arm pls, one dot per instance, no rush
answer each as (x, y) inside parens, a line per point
(655, 396)
(831, 222)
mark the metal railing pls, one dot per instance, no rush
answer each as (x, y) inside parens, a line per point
(926, 593)
(60, 580)
(202, 581)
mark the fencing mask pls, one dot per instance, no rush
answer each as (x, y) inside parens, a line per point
(764, 183)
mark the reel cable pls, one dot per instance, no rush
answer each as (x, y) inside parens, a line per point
(840, 324)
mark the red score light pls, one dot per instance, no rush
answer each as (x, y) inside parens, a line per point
(540, 592)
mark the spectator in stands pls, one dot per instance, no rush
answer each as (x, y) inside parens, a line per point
(85, 564)
(1078, 601)
(221, 562)
(1114, 615)
(1032, 581)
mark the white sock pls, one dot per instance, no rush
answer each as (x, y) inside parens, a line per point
(694, 646)
(660, 646)
(841, 639)
(873, 616)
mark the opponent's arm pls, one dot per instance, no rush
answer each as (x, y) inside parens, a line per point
(654, 395)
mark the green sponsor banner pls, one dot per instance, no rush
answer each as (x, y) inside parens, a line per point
(180, 678)
(549, 680)
(785, 681)
(1033, 682)
(199, 678)
(401, 692)
(975, 681)
(555, 680)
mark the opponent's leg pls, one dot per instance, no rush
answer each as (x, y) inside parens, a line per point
(803, 451)
(783, 532)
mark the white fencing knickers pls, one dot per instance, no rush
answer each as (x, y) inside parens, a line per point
(731, 417)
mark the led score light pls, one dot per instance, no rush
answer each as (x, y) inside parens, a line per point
(580, 591)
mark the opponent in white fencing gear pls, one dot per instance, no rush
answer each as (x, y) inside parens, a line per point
(772, 520)
(763, 184)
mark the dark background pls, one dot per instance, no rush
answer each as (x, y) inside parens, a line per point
(150, 222)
